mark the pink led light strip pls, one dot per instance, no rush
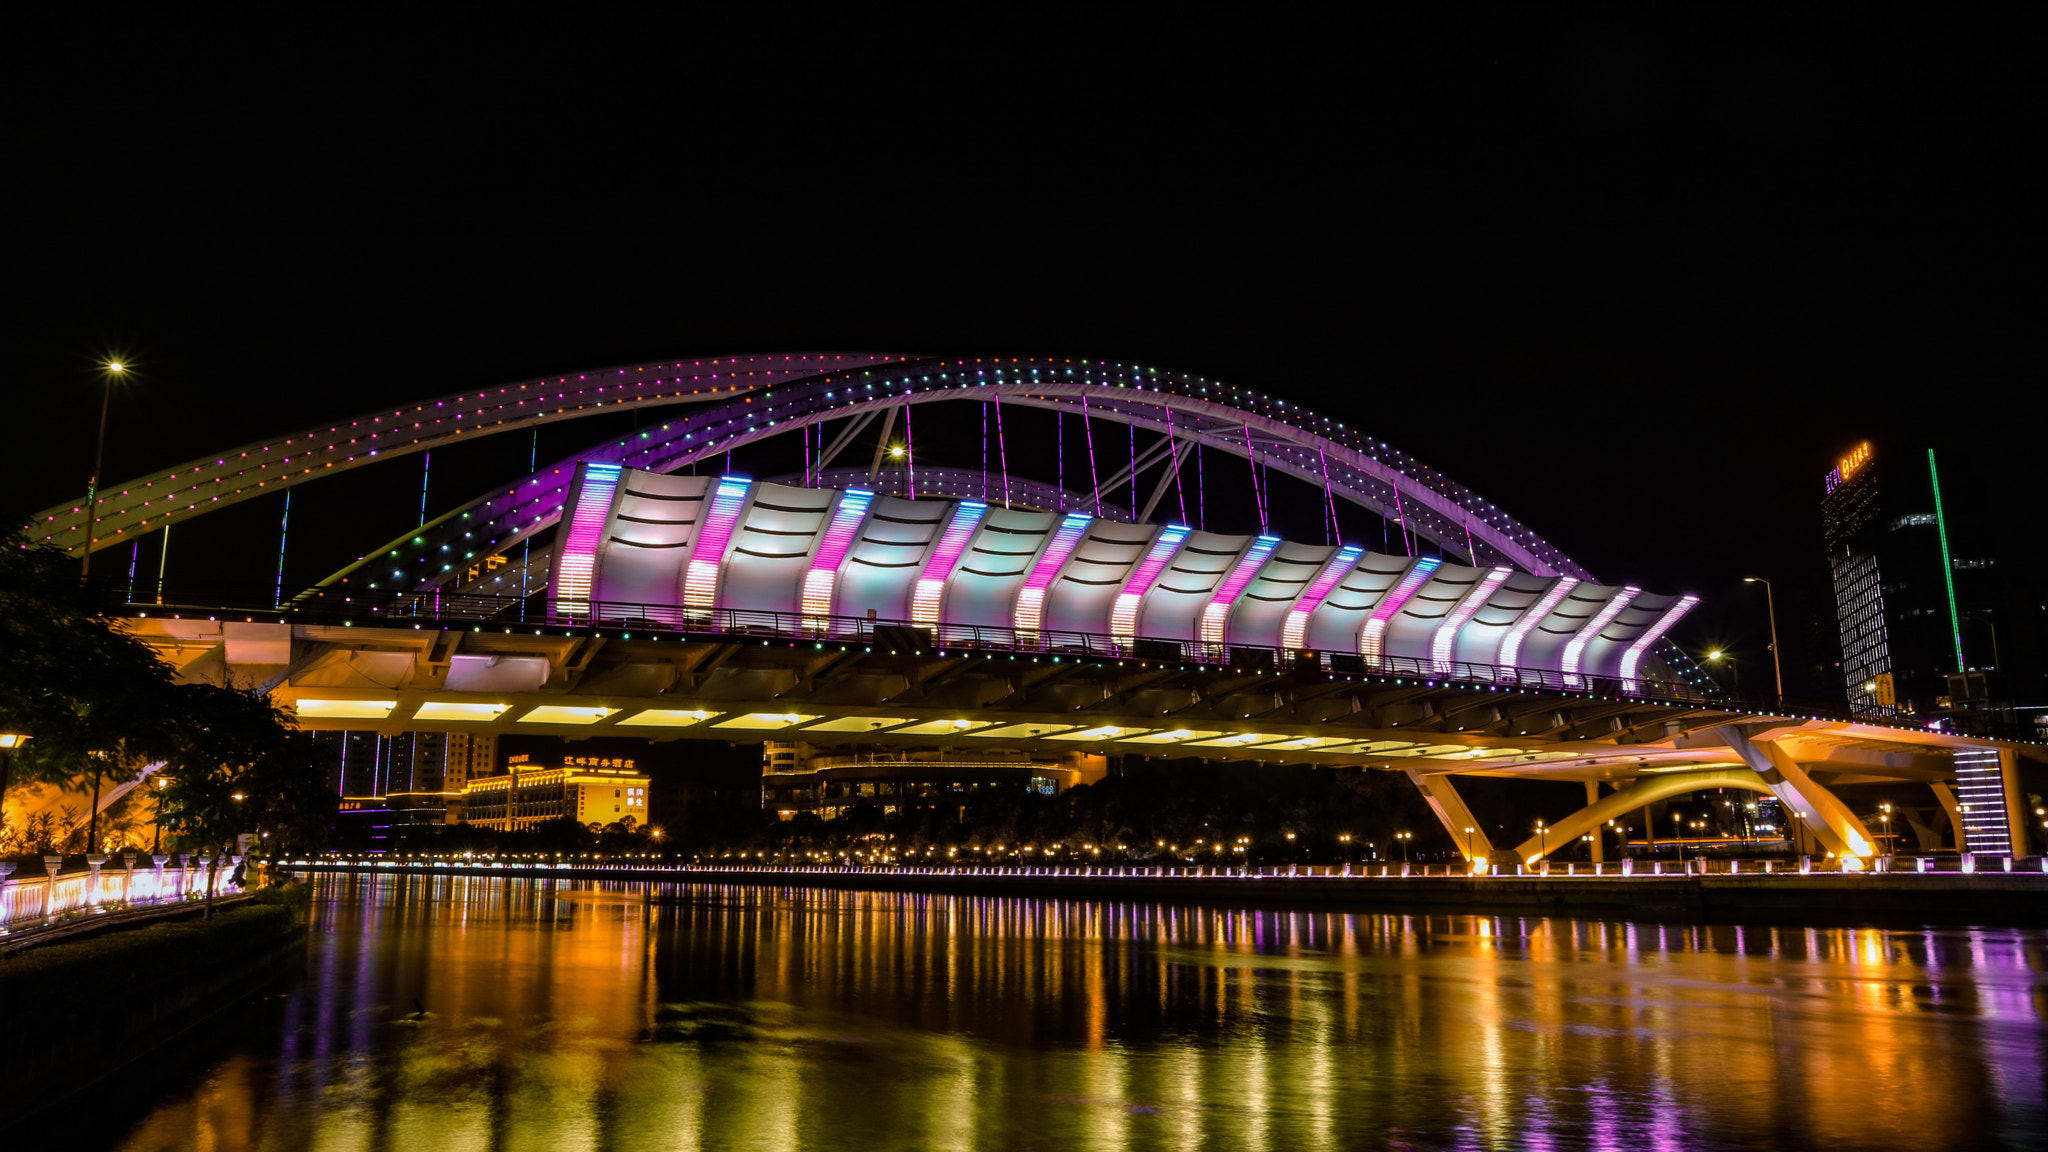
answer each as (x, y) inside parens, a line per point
(824, 574)
(1372, 639)
(1296, 627)
(1575, 650)
(1511, 644)
(700, 583)
(1447, 632)
(1632, 658)
(1031, 597)
(1218, 609)
(1123, 618)
(586, 532)
(931, 583)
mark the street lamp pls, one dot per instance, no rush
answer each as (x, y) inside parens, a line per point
(1678, 834)
(1771, 603)
(110, 371)
(1542, 839)
(1404, 838)
(1468, 847)
(1887, 817)
(1734, 670)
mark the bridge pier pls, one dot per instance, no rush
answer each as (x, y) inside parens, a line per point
(1443, 798)
(1599, 840)
(1819, 811)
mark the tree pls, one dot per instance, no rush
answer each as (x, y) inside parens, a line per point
(93, 695)
(238, 767)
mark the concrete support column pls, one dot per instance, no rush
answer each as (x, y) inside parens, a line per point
(1947, 796)
(1827, 818)
(1599, 836)
(2016, 811)
(1450, 808)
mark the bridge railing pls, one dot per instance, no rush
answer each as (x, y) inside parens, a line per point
(354, 605)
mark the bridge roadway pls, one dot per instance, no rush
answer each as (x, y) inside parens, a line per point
(446, 663)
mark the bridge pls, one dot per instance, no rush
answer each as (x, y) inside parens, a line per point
(618, 592)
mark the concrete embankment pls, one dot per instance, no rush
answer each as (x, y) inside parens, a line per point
(81, 1012)
(1821, 898)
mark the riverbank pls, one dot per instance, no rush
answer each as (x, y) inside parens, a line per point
(2017, 898)
(81, 1011)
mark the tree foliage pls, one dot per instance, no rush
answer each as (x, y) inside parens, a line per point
(87, 690)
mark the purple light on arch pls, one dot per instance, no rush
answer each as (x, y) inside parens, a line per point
(1447, 632)
(925, 598)
(1031, 597)
(1575, 649)
(1123, 618)
(1218, 610)
(1633, 658)
(586, 530)
(1372, 638)
(700, 582)
(824, 574)
(1511, 644)
(1296, 627)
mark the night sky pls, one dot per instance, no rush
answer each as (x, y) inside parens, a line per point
(1638, 284)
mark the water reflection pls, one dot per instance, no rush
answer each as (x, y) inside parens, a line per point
(578, 1017)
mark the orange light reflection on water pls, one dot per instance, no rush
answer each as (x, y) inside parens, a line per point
(580, 1017)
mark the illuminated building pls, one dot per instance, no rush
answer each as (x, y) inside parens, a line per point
(593, 791)
(1901, 595)
(799, 777)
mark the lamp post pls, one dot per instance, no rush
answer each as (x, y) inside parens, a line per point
(1542, 839)
(1404, 838)
(1887, 817)
(110, 371)
(1678, 834)
(1771, 604)
(1734, 670)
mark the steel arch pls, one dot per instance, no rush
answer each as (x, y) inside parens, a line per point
(218, 480)
(1287, 437)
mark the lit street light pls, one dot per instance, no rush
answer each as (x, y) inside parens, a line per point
(1771, 602)
(110, 371)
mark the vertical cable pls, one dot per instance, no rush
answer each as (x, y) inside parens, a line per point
(135, 557)
(526, 557)
(1401, 515)
(1002, 450)
(909, 454)
(163, 562)
(984, 451)
(1060, 418)
(1201, 490)
(1469, 549)
(1173, 450)
(1094, 476)
(1329, 499)
(426, 474)
(1133, 426)
(1251, 454)
(283, 533)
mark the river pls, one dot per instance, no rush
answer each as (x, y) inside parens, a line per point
(464, 1013)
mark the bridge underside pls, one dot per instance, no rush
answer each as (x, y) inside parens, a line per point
(578, 683)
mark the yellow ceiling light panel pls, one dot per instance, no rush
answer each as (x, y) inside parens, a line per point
(344, 709)
(765, 720)
(557, 714)
(666, 718)
(443, 710)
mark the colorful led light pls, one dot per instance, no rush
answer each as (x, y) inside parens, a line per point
(1218, 609)
(707, 559)
(925, 598)
(586, 530)
(1123, 618)
(1296, 627)
(1634, 656)
(1031, 597)
(1447, 632)
(1575, 649)
(1511, 644)
(824, 574)
(1372, 638)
